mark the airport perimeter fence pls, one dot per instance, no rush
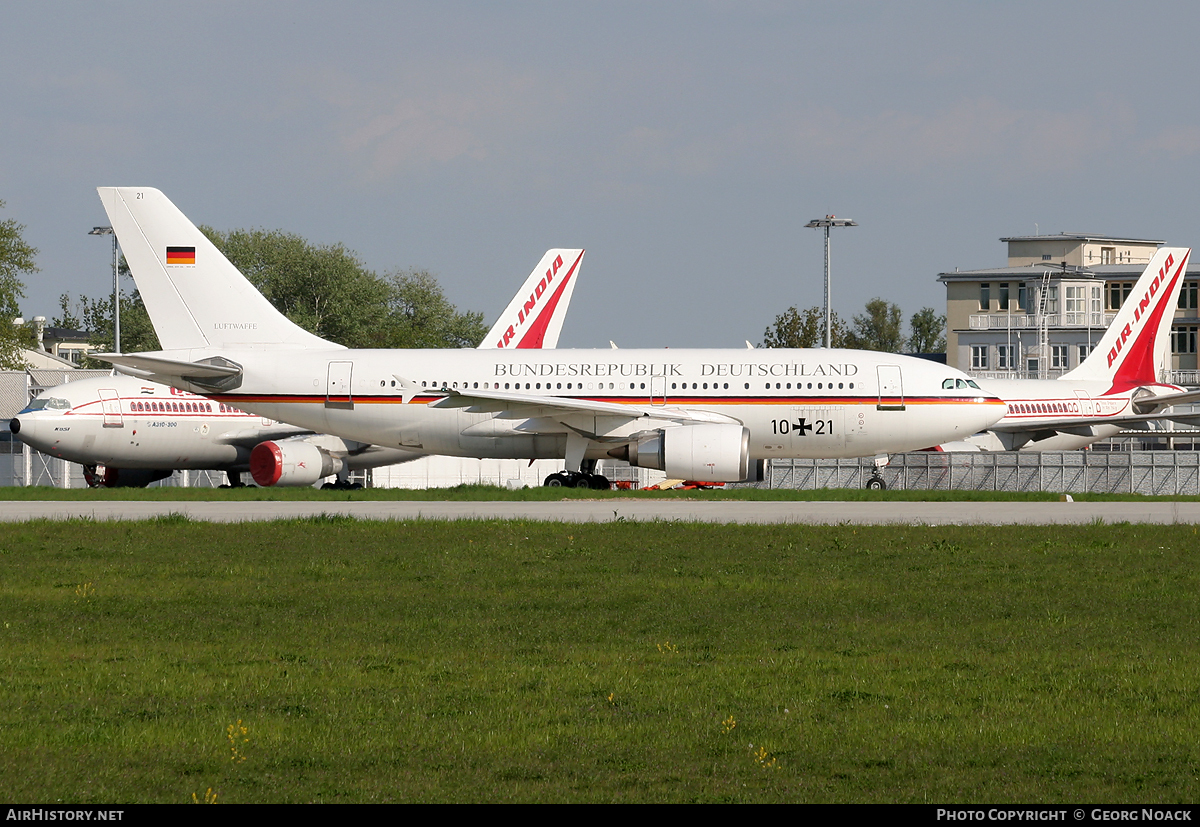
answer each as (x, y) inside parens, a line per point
(1161, 473)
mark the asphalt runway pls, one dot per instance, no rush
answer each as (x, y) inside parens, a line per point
(602, 511)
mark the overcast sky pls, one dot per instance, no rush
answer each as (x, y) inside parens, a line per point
(684, 145)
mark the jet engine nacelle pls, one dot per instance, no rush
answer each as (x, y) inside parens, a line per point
(705, 453)
(127, 477)
(291, 463)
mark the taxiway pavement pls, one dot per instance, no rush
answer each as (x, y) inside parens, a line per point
(600, 511)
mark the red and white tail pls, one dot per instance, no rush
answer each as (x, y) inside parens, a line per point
(534, 318)
(1136, 346)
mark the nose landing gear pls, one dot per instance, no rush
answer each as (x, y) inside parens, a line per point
(876, 483)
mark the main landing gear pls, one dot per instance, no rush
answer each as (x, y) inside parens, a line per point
(585, 477)
(577, 479)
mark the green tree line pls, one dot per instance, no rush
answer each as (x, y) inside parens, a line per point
(326, 289)
(879, 327)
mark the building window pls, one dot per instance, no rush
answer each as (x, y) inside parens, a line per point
(1188, 295)
(1004, 357)
(1004, 295)
(985, 296)
(1031, 366)
(1022, 297)
(1106, 255)
(1075, 300)
(1052, 299)
(1118, 292)
(979, 357)
(1084, 352)
(1046, 256)
(1183, 339)
(1058, 357)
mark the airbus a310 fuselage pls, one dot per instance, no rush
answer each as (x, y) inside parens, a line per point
(695, 414)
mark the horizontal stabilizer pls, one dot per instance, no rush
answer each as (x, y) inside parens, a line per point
(213, 374)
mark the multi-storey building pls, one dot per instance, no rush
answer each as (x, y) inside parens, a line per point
(1042, 314)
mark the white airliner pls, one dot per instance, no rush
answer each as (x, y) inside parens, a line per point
(706, 415)
(1117, 386)
(141, 431)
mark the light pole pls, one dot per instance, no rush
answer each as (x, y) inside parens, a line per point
(116, 287)
(827, 222)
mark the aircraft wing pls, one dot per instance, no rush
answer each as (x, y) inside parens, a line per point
(249, 437)
(566, 410)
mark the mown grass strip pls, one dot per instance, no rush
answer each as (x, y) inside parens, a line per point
(330, 659)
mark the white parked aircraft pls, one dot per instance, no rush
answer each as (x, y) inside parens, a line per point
(1117, 386)
(141, 431)
(705, 415)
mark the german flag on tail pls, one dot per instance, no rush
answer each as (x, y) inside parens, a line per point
(181, 255)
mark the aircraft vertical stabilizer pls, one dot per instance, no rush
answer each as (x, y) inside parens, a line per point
(195, 296)
(534, 318)
(1136, 345)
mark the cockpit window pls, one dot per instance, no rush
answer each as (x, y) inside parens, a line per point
(948, 384)
(53, 403)
(961, 383)
(971, 382)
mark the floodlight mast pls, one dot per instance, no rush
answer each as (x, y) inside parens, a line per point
(116, 287)
(827, 222)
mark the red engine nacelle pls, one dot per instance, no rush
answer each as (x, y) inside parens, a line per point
(291, 463)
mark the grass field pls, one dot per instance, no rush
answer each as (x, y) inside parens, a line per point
(334, 660)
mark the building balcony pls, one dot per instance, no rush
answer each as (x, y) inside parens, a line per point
(1028, 321)
(1184, 378)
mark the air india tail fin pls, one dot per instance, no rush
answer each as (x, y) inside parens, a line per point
(1137, 344)
(196, 298)
(534, 318)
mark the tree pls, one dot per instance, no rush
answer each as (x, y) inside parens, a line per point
(16, 257)
(928, 332)
(325, 289)
(420, 315)
(794, 328)
(879, 328)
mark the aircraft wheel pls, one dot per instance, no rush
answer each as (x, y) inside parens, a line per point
(555, 481)
(876, 484)
(330, 486)
(600, 483)
(581, 481)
